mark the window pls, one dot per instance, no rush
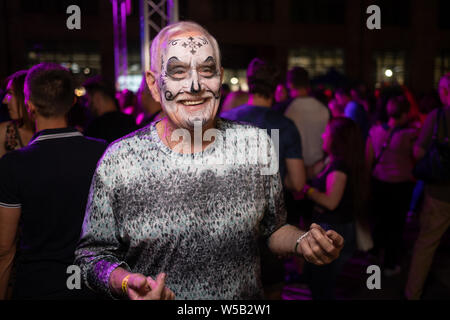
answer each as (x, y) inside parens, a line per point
(317, 60)
(236, 79)
(441, 66)
(83, 59)
(390, 67)
(318, 11)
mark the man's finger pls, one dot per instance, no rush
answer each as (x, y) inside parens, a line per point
(167, 294)
(338, 240)
(137, 282)
(324, 242)
(160, 283)
(308, 253)
(318, 227)
(316, 249)
(151, 282)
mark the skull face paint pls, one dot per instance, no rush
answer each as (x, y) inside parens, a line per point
(189, 81)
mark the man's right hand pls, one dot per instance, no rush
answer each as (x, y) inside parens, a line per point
(140, 287)
(145, 288)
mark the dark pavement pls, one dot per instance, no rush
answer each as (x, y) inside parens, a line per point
(352, 282)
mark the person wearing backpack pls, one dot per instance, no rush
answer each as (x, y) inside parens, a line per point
(435, 215)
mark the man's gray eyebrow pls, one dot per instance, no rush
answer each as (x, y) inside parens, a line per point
(173, 59)
(209, 59)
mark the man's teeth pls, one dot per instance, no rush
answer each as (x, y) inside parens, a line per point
(192, 102)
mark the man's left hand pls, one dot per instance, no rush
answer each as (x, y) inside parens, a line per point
(321, 247)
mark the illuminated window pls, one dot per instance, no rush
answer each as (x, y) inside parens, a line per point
(441, 66)
(316, 60)
(83, 59)
(236, 79)
(390, 67)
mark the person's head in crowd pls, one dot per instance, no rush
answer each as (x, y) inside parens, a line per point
(444, 89)
(397, 109)
(298, 82)
(127, 101)
(49, 91)
(186, 74)
(234, 99)
(281, 93)
(15, 100)
(261, 80)
(101, 96)
(342, 96)
(343, 140)
(385, 94)
(146, 101)
(337, 110)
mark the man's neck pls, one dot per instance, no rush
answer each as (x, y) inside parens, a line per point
(260, 101)
(50, 123)
(299, 92)
(105, 107)
(166, 127)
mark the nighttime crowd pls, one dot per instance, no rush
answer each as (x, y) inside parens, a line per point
(85, 180)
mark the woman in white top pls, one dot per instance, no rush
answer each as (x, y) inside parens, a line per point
(389, 152)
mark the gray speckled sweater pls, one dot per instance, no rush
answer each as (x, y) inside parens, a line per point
(199, 223)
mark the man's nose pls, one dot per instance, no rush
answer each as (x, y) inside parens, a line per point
(195, 85)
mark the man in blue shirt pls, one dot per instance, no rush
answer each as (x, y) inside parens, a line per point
(261, 78)
(353, 110)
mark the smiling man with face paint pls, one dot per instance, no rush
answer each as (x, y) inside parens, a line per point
(194, 227)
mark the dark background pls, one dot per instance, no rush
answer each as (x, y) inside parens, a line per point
(414, 38)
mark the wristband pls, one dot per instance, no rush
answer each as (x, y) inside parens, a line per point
(125, 284)
(298, 241)
(310, 190)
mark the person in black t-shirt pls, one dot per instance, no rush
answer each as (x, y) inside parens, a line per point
(110, 124)
(44, 188)
(339, 194)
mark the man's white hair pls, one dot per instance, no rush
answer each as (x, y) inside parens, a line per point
(169, 32)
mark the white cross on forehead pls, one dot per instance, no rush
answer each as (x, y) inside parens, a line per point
(191, 49)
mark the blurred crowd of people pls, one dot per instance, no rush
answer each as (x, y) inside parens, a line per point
(346, 158)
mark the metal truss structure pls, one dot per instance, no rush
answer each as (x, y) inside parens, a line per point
(154, 16)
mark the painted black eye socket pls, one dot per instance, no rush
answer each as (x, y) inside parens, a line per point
(178, 73)
(207, 71)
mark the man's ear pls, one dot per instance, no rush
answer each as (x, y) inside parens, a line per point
(31, 108)
(152, 84)
(221, 74)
